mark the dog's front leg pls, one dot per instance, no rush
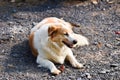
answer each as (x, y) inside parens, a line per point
(48, 64)
(70, 57)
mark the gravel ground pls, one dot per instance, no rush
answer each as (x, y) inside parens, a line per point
(98, 22)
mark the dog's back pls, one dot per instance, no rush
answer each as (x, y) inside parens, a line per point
(51, 20)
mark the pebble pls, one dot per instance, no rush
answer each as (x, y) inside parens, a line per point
(3, 51)
(87, 75)
(114, 65)
(71, 77)
(118, 44)
(118, 39)
(104, 71)
(110, 1)
(21, 30)
(14, 10)
(11, 36)
(104, 9)
(9, 23)
(34, 23)
(79, 78)
(109, 45)
(11, 66)
(95, 43)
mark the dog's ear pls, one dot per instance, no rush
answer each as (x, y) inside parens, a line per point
(52, 30)
(74, 25)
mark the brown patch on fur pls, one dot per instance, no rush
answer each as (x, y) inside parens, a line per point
(34, 51)
(57, 33)
(52, 30)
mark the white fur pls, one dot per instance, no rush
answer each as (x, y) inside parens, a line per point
(47, 54)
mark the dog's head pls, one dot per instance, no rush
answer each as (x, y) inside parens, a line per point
(62, 35)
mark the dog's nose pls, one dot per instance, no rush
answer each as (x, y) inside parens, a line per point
(74, 41)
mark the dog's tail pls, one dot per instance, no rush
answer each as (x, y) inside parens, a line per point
(82, 40)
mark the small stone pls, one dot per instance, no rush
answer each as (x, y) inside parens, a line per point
(118, 39)
(118, 44)
(14, 11)
(71, 77)
(95, 43)
(104, 71)
(11, 36)
(114, 65)
(79, 78)
(21, 31)
(86, 75)
(110, 1)
(53, 76)
(34, 23)
(104, 9)
(9, 23)
(109, 45)
(11, 66)
(3, 51)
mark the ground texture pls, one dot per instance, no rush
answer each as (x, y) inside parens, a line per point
(99, 23)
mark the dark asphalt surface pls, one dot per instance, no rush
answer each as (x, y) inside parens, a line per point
(98, 23)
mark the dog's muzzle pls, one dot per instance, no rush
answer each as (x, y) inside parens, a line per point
(70, 44)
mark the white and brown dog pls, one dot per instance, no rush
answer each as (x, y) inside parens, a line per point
(51, 40)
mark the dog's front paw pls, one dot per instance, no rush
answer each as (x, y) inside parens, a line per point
(56, 72)
(78, 65)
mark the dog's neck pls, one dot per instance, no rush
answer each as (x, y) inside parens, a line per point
(55, 46)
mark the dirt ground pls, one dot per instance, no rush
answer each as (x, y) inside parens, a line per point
(98, 22)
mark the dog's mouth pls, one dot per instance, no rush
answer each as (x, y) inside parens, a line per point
(68, 44)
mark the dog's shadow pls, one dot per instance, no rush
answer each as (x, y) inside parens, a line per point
(21, 59)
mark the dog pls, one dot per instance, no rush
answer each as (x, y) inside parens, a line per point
(51, 41)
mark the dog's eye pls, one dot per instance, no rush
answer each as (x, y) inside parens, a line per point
(66, 34)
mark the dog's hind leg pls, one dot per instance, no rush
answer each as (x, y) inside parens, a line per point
(48, 64)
